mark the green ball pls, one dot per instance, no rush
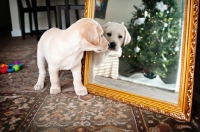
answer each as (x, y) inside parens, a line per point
(16, 67)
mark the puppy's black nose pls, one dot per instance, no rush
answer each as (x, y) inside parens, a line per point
(112, 45)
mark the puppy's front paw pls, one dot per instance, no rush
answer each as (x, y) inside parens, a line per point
(55, 91)
(38, 86)
(81, 91)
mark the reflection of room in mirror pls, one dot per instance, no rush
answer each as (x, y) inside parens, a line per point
(118, 11)
(166, 40)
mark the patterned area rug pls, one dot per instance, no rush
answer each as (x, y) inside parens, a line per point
(23, 109)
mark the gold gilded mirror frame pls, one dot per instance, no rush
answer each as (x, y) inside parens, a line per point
(182, 110)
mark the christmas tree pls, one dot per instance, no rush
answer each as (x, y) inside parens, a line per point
(155, 32)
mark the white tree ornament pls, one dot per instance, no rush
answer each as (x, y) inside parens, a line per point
(160, 6)
(176, 48)
(169, 35)
(139, 21)
(138, 38)
(136, 49)
(165, 24)
(145, 14)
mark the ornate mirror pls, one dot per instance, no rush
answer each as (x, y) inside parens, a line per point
(154, 71)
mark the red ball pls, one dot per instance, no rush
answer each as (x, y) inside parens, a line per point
(4, 70)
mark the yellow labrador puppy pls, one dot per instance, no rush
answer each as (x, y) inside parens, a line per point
(116, 34)
(63, 50)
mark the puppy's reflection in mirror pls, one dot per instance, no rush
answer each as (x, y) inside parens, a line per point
(117, 35)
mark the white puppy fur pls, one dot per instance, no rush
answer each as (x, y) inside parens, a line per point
(63, 50)
(116, 34)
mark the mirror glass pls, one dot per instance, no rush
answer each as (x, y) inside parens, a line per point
(150, 64)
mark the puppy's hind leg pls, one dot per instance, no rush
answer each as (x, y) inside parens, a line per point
(42, 72)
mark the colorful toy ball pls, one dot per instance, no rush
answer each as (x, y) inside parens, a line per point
(10, 67)
(4, 68)
(16, 67)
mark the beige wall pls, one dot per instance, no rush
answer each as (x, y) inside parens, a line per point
(119, 11)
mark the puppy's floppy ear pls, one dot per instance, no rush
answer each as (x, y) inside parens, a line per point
(105, 25)
(90, 32)
(127, 37)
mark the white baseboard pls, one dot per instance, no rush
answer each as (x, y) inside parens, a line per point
(16, 33)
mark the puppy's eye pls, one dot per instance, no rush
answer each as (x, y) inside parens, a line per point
(109, 34)
(101, 35)
(120, 36)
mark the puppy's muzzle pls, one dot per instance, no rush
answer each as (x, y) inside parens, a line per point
(102, 49)
(112, 45)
